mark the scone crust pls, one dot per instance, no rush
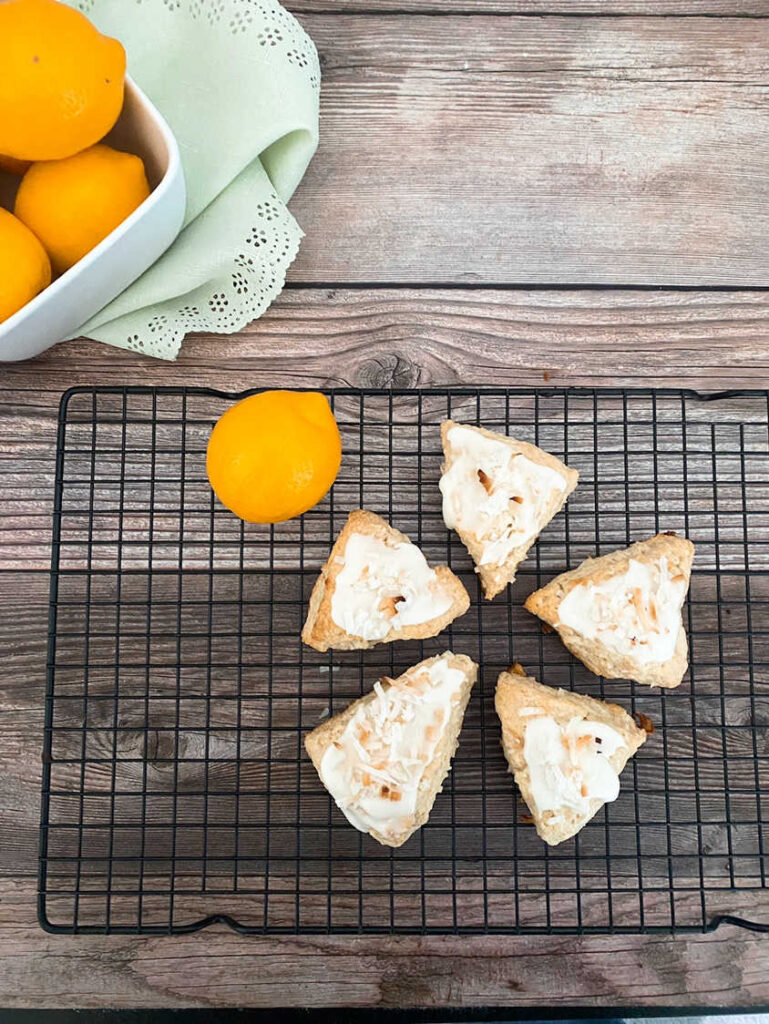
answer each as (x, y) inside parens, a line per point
(317, 742)
(321, 632)
(545, 602)
(515, 690)
(494, 578)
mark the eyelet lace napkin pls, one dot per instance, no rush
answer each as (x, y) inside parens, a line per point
(238, 82)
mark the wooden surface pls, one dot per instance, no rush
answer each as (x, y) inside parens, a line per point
(556, 150)
(602, 8)
(621, 149)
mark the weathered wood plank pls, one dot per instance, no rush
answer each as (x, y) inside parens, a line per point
(550, 150)
(604, 8)
(218, 968)
(378, 338)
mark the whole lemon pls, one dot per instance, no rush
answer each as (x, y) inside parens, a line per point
(274, 455)
(61, 81)
(24, 265)
(72, 204)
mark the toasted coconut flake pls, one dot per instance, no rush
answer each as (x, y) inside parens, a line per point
(389, 605)
(488, 486)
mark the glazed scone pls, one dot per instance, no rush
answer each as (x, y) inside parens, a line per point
(621, 614)
(377, 587)
(499, 494)
(566, 751)
(384, 758)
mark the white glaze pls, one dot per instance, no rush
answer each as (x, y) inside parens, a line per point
(495, 493)
(636, 613)
(374, 769)
(567, 765)
(384, 586)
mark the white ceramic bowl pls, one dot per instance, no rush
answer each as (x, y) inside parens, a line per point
(59, 310)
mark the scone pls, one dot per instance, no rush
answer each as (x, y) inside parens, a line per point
(385, 757)
(621, 614)
(499, 494)
(565, 750)
(377, 587)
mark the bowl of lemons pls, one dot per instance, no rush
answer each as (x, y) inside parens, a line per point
(91, 184)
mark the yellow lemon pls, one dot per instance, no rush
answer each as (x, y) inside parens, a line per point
(274, 455)
(61, 81)
(72, 204)
(24, 266)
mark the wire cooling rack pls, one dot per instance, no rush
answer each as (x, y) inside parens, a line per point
(176, 790)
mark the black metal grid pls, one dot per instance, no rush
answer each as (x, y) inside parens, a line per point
(176, 791)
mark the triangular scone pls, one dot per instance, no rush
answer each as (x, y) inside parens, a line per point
(499, 494)
(377, 587)
(385, 757)
(621, 614)
(565, 750)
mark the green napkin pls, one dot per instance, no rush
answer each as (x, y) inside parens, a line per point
(238, 82)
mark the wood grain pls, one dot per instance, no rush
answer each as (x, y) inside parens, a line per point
(218, 968)
(604, 8)
(552, 150)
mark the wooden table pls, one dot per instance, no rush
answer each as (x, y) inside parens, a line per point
(506, 192)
